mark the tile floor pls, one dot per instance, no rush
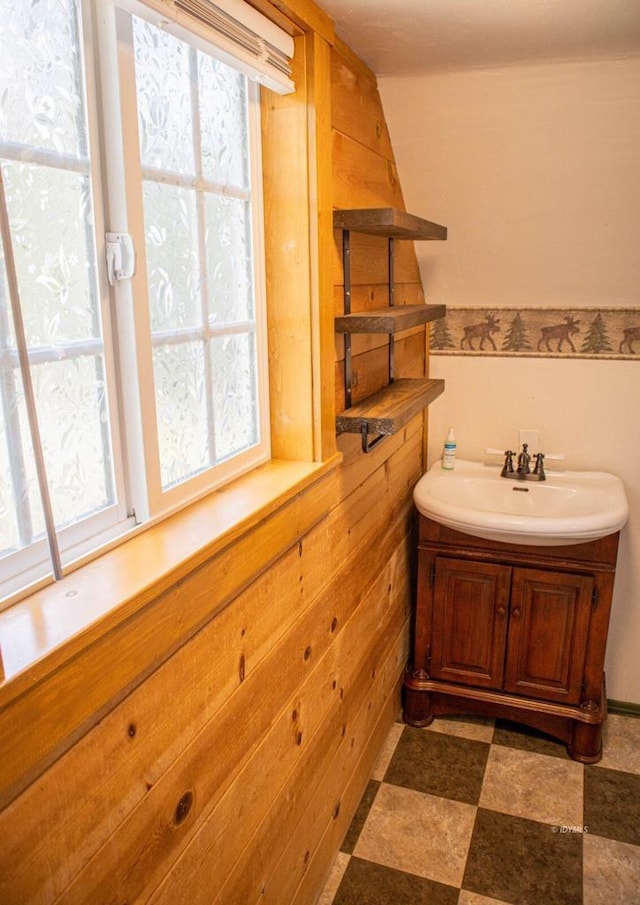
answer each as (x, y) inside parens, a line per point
(483, 812)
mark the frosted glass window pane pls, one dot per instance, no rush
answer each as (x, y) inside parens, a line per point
(21, 516)
(198, 221)
(181, 408)
(233, 364)
(72, 420)
(72, 416)
(41, 94)
(51, 220)
(229, 267)
(173, 271)
(9, 531)
(223, 119)
(163, 79)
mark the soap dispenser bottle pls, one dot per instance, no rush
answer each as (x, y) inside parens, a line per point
(449, 451)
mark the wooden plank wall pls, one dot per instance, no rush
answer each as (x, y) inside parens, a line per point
(365, 176)
(231, 773)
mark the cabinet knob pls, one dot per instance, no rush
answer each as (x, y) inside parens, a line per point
(516, 612)
(501, 610)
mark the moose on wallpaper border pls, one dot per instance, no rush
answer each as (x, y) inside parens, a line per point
(539, 332)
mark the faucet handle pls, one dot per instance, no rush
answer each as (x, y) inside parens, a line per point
(507, 468)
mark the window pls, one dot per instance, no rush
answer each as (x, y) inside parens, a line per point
(143, 394)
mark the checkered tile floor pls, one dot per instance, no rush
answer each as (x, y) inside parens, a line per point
(477, 812)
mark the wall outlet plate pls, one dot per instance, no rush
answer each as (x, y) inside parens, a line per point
(531, 437)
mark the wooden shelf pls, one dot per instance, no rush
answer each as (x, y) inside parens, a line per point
(389, 320)
(387, 411)
(388, 221)
(391, 408)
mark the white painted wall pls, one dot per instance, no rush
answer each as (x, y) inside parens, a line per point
(536, 172)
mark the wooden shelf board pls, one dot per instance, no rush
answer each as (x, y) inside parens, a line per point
(391, 408)
(388, 221)
(389, 320)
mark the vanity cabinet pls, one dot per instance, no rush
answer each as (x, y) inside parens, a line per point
(513, 631)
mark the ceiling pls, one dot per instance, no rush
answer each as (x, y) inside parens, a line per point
(402, 37)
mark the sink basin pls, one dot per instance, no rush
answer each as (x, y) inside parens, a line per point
(570, 507)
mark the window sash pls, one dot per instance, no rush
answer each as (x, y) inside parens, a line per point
(31, 562)
(149, 498)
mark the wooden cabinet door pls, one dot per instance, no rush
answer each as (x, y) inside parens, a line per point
(470, 609)
(548, 629)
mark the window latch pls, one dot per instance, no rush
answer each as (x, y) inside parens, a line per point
(121, 257)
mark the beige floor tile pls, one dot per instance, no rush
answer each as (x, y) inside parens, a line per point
(534, 786)
(334, 878)
(611, 872)
(621, 743)
(480, 730)
(384, 758)
(417, 833)
(473, 898)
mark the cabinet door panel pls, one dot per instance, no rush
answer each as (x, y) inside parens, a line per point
(471, 601)
(548, 631)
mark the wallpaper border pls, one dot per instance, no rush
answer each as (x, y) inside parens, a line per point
(554, 332)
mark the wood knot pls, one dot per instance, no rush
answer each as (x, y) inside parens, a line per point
(183, 808)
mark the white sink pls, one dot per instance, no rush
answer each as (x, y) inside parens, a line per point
(570, 507)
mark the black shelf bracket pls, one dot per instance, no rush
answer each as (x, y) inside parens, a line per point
(367, 444)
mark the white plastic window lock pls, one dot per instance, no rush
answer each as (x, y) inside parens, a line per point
(121, 257)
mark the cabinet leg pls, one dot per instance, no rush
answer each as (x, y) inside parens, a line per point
(585, 744)
(417, 707)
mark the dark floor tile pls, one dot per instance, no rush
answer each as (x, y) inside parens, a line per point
(517, 735)
(523, 862)
(612, 804)
(439, 765)
(359, 817)
(366, 883)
